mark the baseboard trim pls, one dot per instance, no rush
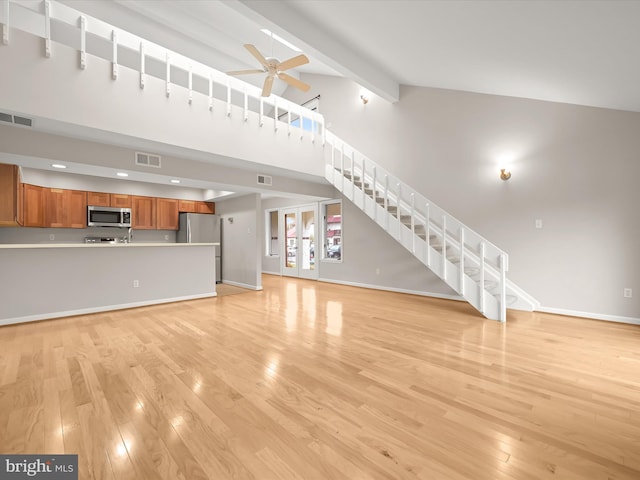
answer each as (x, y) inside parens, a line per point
(391, 289)
(272, 273)
(242, 285)
(592, 316)
(105, 308)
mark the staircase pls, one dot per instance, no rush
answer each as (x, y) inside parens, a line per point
(472, 266)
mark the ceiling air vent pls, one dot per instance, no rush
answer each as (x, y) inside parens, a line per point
(264, 180)
(148, 159)
(16, 119)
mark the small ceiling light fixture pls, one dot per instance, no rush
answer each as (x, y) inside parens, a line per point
(122, 174)
(278, 38)
(175, 180)
(505, 174)
(58, 165)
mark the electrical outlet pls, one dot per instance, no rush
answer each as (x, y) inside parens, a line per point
(136, 284)
(377, 271)
(166, 237)
(627, 293)
(52, 237)
(538, 223)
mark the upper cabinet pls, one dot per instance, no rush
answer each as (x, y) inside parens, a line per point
(65, 208)
(206, 207)
(122, 201)
(167, 214)
(33, 198)
(188, 206)
(10, 196)
(98, 199)
(144, 213)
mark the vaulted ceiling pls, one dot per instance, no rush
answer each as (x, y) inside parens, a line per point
(581, 52)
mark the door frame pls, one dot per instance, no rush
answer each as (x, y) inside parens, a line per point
(297, 271)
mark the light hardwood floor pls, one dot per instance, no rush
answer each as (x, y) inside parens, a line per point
(308, 380)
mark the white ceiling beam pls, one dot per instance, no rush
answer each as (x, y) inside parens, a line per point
(319, 44)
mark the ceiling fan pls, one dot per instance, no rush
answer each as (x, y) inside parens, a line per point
(274, 68)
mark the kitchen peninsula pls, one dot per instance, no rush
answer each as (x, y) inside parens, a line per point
(41, 281)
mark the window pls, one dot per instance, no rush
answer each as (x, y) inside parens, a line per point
(307, 124)
(332, 228)
(272, 240)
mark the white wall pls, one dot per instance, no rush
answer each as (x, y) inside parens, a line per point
(575, 168)
(241, 244)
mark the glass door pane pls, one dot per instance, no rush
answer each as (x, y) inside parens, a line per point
(307, 241)
(290, 257)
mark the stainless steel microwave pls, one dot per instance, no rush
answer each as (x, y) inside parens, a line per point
(108, 217)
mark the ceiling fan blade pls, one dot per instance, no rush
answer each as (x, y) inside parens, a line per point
(268, 83)
(294, 82)
(244, 72)
(254, 51)
(292, 62)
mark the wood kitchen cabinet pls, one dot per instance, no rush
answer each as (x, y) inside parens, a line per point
(99, 199)
(188, 206)
(11, 210)
(206, 207)
(122, 201)
(144, 213)
(167, 217)
(65, 208)
(33, 204)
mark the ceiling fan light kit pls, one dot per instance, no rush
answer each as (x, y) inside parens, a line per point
(274, 68)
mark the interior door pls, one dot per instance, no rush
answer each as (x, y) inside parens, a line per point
(300, 231)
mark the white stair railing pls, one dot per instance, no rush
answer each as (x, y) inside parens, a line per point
(466, 261)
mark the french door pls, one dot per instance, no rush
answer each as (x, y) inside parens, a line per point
(299, 246)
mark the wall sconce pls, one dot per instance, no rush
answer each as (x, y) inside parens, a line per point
(230, 219)
(364, 99)
(505, 174)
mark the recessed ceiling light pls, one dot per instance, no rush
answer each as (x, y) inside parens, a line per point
(175, 180)
(269, 33)
(57, 165)
(122, 174)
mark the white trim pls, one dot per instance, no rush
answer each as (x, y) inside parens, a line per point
(590, 315)
(444, 296)
(242, 285)
(106, 308)
(272, 273)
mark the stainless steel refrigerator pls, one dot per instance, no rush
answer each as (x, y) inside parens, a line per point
(202, 228)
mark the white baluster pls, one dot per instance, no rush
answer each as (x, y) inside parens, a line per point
(289, 121)
(413, 222)
(228, 98)
(364, 175)
(462, 261)
(375, 202)
(114, 55)
(353, 176)
(142, 59)
(246, 105)
(503, 287)
(210, 91)
(399, 212)
(301, 124)
(190, 84)
(167, 75)
(83, 42)
(333, 165)
(482, 254)
(275, 115)
(444, 247)
(313, 130)
(47, 28)
(342, 166)
(5, 25)
(386, 200)
(427, 229)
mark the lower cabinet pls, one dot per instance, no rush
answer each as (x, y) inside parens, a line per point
(144, 213)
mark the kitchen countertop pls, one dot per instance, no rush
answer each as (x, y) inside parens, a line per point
(102, 245)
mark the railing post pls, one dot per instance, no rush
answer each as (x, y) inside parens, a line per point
(168, 75)
(289, 122)
(342, 166)
(114, 54)
(301, 124)
(228, 98)
(275, 116)
(503, 288)
(191, 84)
(353, 175)
(83, 42)
(47, 29)
(364, 205)
(482, 254)
(210, 91)
(461, 261)
(413, 222)
(333, 165)
(386, 200)
(375, 203)
(141, 65)
(399, 212)
(427, 229)
(444, 247)
(246, 105)
(5, 25)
